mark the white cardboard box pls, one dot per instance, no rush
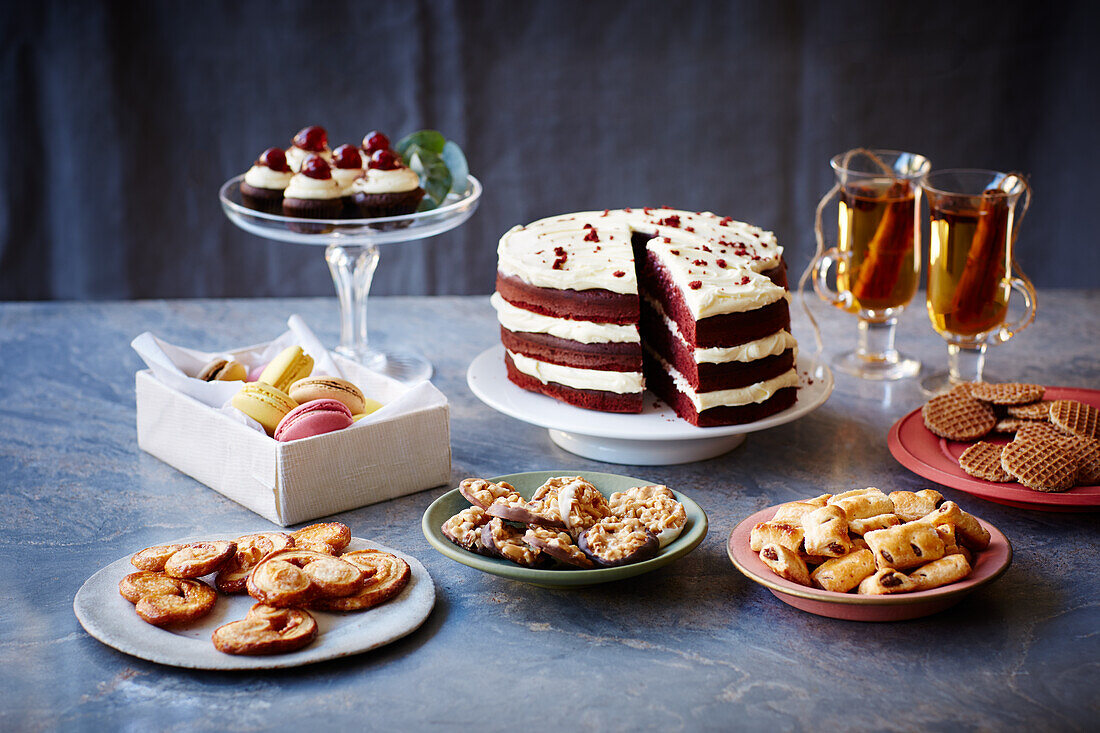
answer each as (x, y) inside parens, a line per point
(294, 482)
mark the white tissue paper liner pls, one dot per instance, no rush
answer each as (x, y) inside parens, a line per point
(401, 448)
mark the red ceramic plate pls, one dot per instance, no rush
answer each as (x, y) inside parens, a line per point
(988, 566)
(937, 459)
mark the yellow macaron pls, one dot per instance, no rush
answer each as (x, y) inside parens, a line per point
(287, 368)
(223, 370)
(264, 403)
(369, 406)
(328, 388)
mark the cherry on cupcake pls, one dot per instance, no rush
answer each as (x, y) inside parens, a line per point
(312, 138)
(347, 156)
(275, 159)
(375, 140)
(314, 166)
(384, 160)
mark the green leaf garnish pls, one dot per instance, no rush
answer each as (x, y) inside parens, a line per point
(439, 162)
(427, 140)
(456, 163)
(434, 176)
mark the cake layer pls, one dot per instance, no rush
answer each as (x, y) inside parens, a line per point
(663, 384)
(728, 329)
(604, 380)
(601, 306)
(616, 357)
(588, 398)
(521, 320)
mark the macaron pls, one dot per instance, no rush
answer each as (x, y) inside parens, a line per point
(263, 403)
(369, 406)
(223, 370)
(328, 388)
(313, 418)
(287, 368)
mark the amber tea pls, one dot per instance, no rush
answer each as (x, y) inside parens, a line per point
(877, 233)
(969, 265)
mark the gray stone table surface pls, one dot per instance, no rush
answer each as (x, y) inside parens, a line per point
(692, 646)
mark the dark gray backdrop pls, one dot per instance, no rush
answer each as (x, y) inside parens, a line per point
(120, 120)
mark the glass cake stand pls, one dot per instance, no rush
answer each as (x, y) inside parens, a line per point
(351, 250)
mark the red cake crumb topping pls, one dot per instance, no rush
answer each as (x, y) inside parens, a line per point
(592, 236)
(699, 263)
(669, 241)
(628, 210)
(722, 263)
(312, 138)
(670, 221)
(606, 212)
(275, 159)
(560, 252)
(705, 247)
(618, 273)
(647, 210)
(314, 166)
(695, 284)
(745, 280)
(725, 221)
(689, 229)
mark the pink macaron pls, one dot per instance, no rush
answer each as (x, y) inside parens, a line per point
(313, 418)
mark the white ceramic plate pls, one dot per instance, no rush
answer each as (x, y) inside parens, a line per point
(656, 437)
(109, 617)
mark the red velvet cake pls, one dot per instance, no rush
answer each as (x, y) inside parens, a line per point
(595, 307)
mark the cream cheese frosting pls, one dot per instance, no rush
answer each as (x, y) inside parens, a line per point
(295, 155)
(304, 187)
(260, 176)
(761, 348)
(753, 394)
(345, 177)
(590, 250)
(520, 320)
(577, 378)
(375, 180)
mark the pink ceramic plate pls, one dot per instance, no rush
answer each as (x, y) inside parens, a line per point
(988, 566)
(937, 459)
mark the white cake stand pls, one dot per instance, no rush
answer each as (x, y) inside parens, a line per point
(656, 437)
(351, 250)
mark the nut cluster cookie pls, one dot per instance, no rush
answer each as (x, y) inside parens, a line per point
(286, 573)
(566, 524)
(1054, 442)
(922, 542)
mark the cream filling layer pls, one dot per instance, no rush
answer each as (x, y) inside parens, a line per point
(753, 394)
(761, 348)
(577, 378)
(304, 187)
(586, 332)
(260, 176)
(397, 180)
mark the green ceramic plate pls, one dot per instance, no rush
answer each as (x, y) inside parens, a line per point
(452, 503)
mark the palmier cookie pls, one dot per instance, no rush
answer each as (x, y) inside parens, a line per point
(197, 559)
(558, 545)
(295, 577)
(164, 601)
(328, 537)
(266, 630)
(506, 542)
(481, 493)
(1040, 464)
(1030, 411)
(464, 529)
(1007, 393)
(153, 558)
(958, 418)
(618, 541)
(1074, 417)
(251, 548)
(983, 460)
(388, 573)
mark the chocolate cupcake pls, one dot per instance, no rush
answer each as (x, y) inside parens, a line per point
(347, 165)
(313, 194)
(264, 183)
(387, 188)
(309, 140)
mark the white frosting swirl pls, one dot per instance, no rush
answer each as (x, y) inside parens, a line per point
(303, 187)
(295, 155)
(577, 378)
(345, 177)
(260, 176)
(375, 180)
(753, 394)
(586, 332)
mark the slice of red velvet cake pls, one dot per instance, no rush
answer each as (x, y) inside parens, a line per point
(712, 319)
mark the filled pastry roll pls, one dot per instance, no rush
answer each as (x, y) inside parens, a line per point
(793, 511)
(818, 501)
(905, 546)
(968, 530)
(946, 570)
(841, 574)
(826, 532)
(886, 581)
(863, 526)
(863, 503)
(911, 506)
(786, 533)
(785, 563)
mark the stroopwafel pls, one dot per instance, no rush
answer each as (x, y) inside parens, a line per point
(1074, 417)
(1031, 411)
(1007, 393)
(1040, 464)
(983, 460)
(1087, 453)
(957, 417)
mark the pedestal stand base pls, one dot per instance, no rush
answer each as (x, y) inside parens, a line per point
(645, 452)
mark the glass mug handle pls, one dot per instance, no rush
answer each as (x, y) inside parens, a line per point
(1023, 286)
(826, 258)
